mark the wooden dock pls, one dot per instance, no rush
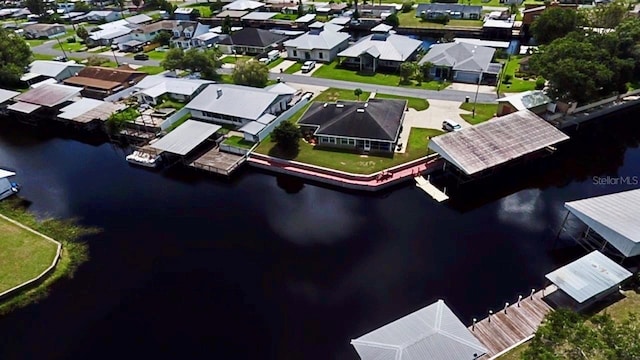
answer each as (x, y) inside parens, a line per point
(503, 330)
(431, 190)
(218, 162)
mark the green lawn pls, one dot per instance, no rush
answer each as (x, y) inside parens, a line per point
(275, 63)
(332, 71)
(239, 142)
(156, 55)
(36, 42)
(69, 47)
(409, 19)
(333, 94)
(484, 112)
(516, 84)
(230, 59)
(180, 121)
(37, 56)
(24, 255)
(170, 103)
(151, 70)
(281, 16)
(293, 68)
(414, 103)
(204, 10)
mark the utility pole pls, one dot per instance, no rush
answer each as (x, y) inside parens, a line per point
(475, 99)
(62, 48)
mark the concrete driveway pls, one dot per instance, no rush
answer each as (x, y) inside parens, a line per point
(431, 118)
(318, 65)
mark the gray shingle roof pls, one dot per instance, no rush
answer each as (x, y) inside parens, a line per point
(325, 40)
(390, 47)
(433, 332)
(253, 37)
(380, 119)
(460, 56)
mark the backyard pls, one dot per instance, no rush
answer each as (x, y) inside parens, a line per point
(231, 59)
(414, 103)
(484, 112)
(24, 255)
(409, 19)
(151, 70)
(515, 84)
(204, 10)
(332, 71)
(239, 142)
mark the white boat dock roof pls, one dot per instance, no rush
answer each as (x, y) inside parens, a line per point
(259, 16)
(588, 276)
(433, 332)
(496, 141)
(49, 95)
(86, 110)
(489, 43)
(6, 95)
(23, 107)
(6, 173)
(186, 137)
(615, 217)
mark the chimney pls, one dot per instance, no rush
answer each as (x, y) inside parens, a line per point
(219, 92)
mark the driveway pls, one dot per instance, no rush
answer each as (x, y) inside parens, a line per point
(310, 72)
(431, 118)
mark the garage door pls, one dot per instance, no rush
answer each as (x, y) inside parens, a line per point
(466, 77)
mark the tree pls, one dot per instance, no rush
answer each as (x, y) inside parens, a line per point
(136, 3)
(215, 6)
(407, 6)
(607, 16)
(555, 23)
(37, 7)
(425, 69)
(81, 6)
(15, 55)
(82, 33)
(392, 20)
(250, 73)
(357, 92)
(356, 13)
(174, 59)
(513, 8)
(163, 38)
(226, 25)
(407, 72)
(287, 137)
(300, 8)
(205, 62)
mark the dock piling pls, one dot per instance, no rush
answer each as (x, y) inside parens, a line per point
(519, 299)
(532, 291)
(506, 306)
(489, 318)
(473, 326)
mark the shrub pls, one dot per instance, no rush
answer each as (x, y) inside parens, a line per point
(407, 6)
(540, 83)
(507, 79)
(501, 54)
(96, 60)
(71, 40)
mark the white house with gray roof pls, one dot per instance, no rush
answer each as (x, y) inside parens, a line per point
(382, 49)
(235, 104)
(462, 62)
(321, 43)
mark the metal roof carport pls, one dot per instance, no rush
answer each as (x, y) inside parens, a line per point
(589, 279)
(186, 137)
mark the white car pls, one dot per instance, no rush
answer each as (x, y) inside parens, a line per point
(308, 66)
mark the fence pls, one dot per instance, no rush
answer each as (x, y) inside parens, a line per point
(174, 117)
(233, 149)
(284, 116)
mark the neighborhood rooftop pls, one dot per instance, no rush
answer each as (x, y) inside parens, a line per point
(186, 137)
(48, 95)
(496, 141)
(233, 100)
(243, 5)
(157, 85)
(527, 99)
(325, 40)
(390, 47)
(433, 332)
(253, 37)
(461, 57)
(588, 277)
(86, 110)
(616, 217)
(6, 95)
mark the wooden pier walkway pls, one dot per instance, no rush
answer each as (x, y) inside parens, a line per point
(503, 330)
(431, 190)
(218, 162)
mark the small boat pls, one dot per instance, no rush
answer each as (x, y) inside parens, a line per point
(7, 187)
(144, 159)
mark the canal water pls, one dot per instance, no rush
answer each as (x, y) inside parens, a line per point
(263, 267)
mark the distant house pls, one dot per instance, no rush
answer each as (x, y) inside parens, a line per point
(234, 15)
(139, 19)
(372, 126)
(109, 36)
(207, 39)
(100, 16)
(186, 14)
(148, 32)
(381, 49)
(236, 105)
(40, 70)
(462, 62)
(185, 33)
(251, 41)
(151, 88)
(376, 11)
(257, 18)
(47, 98)
(38, 31)
(454, 11)
(535, 100)
(98, 82)
(331, 9)
(318, 44)
(243, 5)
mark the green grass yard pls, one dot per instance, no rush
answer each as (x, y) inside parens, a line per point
(24, 255)
(37, 56)
(230, 59)
(156, 55)
(204, 10)
(275, 63)
(151, 70)
(281, 16)
(333, 94)
(414, 103)
(35, 42)
(239, 142)
(69, 47)
(484, 112)
(516, 84)
(293, 68)
(409, 19)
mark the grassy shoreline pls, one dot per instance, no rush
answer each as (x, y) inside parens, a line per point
(74, 252)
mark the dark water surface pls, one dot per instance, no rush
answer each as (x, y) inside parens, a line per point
(189, 266)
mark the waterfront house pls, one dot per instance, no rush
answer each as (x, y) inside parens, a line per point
(47, 98)
(40, 70)
(462, 62)
(454, 11)
(371, 126)
(535, 100)
(186, 14)
(382, 49)
(99, 16)
(243, 5)
(251, 41)
(39, 31)
(376, 11)
(5, 97)
(318, 44)
(254, 131)
(89, 112)
(433, 332)
(236, 105)
(98, 82)
(152, 88)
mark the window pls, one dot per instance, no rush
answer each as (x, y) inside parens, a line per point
(352, 142)
(332, 140)
(344, 141)
(295, 53)
(320, 55)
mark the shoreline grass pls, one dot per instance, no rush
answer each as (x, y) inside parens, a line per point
(74, 252)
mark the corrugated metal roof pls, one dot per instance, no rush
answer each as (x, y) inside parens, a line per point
(186, 137)
(23, 107)
(252, 128)
(588, 276)
(52, 69)
(433, 332)
(616, 217)
(257, 15)
(78, 108)
(6, 95)
(496, 141)
(49, 95)
(527, 99)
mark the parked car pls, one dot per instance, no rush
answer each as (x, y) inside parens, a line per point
(141, 56)
(450, 125)
(60, 58)
(308, 66)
